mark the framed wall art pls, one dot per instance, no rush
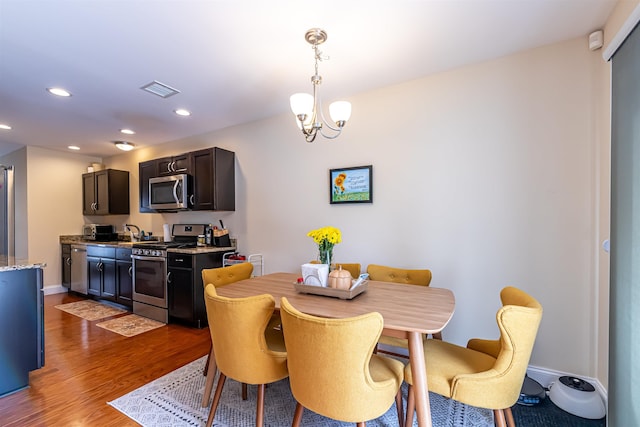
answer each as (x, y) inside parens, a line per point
(351, 185)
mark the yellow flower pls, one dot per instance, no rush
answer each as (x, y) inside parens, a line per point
(326, 237)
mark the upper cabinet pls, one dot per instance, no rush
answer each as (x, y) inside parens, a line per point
(213, 172)
(174, 165)
(105, 192)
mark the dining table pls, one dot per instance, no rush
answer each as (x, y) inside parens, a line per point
(408, 311)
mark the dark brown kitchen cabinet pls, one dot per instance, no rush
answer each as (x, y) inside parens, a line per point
(214, 187)
(105, 192)
(185, 289)
(124, 274)
(101, 272)
(66, 265)
(146, 171)
(174, 165)
(213, 173)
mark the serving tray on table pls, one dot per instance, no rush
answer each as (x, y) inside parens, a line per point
(331, 292)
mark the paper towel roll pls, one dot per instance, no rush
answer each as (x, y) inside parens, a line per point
(167, 232)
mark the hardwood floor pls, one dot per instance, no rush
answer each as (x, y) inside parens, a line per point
(87, 366)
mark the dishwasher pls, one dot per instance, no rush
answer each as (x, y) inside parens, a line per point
(79, 269)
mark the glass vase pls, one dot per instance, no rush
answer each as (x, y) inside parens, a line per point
(326, 256)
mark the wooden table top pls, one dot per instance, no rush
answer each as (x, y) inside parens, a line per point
(404, 308)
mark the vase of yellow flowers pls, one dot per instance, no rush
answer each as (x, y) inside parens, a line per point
(325, 238)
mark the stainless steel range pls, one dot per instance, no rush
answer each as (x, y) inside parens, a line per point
(150, 271)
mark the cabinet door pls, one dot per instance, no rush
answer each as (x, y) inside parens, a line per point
(108, 267)
(202, 164)
(124, 283)
(94, 276)
(102, 192)
(180, 294)
(88, 194)
(147, 170)
(66, 266)
(224, 180)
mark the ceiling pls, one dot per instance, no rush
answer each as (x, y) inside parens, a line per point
(237, 61)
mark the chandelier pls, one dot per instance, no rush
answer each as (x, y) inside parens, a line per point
(308, 108)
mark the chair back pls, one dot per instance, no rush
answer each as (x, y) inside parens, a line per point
(222, 276)
(399, 275)
(237, 327)
(518, 321)
(328, 361)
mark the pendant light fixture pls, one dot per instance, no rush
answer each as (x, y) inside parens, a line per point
(308, 108)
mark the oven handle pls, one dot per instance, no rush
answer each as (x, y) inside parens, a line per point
(148, 258)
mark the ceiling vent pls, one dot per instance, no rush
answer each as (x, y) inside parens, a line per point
(160, 89)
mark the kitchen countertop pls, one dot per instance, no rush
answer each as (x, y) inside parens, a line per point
(78, 240)
(19, 264)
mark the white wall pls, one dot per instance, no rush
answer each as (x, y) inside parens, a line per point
(489, 175)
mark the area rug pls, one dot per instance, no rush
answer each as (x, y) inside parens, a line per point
(130, 325)
(90, 310)
(174, 400)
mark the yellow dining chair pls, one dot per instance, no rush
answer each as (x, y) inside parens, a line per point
(242, 351)
(487, 373)
(352, 268)
(332, 368)
(218, 277)
(421, 277)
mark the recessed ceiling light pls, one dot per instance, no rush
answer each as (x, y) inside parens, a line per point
(58, 91)
(124, 145)
(182, 112)
(73, 147)
(5, 127)
(127, 131)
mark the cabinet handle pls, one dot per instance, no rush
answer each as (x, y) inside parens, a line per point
(169, 166)
(191, 199)
(130, 271)
(68, 261)
(99, 267)
(168, 277)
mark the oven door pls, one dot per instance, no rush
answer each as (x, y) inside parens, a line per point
(150, 280)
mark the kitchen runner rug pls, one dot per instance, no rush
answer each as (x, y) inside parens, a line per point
(90, 310)
(174, 400)
(130, 325)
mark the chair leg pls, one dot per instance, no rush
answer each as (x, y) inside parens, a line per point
(206, 365)
(260, 406)
(211, 374)
(498, 418)
(361, 424)
(509, 415)
(399, 407)
(216, 399)
(244, 391)
(411, 407)
(297, 415)
(437, 336)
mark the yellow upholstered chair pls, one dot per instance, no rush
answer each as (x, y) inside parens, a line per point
(421, 277)
(242, 351)
(218, 277)
(352, 268)
(487, 373)
(332, 368)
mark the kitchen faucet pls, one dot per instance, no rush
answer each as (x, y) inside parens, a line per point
(134, 237)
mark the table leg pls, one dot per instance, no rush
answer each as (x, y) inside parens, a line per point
(419, 375)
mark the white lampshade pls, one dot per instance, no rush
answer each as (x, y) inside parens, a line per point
(301, 103)
(340, 111)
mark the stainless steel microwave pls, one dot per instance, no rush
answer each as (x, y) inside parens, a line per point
(170, 192)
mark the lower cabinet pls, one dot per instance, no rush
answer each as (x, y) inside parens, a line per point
(109, 274)
(124, 277)
(185, 288)
(66, 265)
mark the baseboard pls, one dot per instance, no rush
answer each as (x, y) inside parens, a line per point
(546, 377)
(57, 289)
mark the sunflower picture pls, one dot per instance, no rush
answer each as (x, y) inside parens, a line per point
(351, 185)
